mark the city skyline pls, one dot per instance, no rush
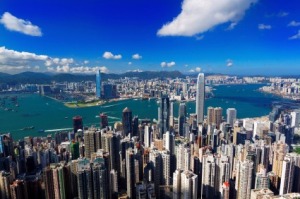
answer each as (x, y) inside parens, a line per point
(236, 37)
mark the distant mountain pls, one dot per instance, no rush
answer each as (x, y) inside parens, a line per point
(46, 78)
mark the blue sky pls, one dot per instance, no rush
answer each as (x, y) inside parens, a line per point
(249, 37)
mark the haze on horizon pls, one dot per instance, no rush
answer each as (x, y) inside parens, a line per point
(241, 37)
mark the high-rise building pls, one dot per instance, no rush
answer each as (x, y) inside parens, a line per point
(77, 123)
(218, 116)
(189, 185)
(208, 176)
(200, 97)
(135, 126)
(231, 116)
(244, 179)
(74, 148)
(18, 190)
(262, 180)
(177, 184)
(181, 118)
(295, 118)
(98, 84)
(163, 115)
(156, 160)
(104, 121)
(130, 173)
(89, 142)
(171, 119)
(166, 163)
(127, 121)
(287, 176)
(5, 180)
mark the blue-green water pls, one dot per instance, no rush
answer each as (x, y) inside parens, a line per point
(45, 113)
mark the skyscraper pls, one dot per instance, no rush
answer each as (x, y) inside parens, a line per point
(231, 116)
(77, 123)
(163, 115)
(98, 84)
(181, 118)
(127, 121)
(200, 97)
(244, 180)
(104, 121)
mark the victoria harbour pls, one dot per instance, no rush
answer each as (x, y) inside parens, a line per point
(52, 116)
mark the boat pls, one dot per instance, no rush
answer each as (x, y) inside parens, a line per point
(66, 117)
(28, 128)
(41, 131)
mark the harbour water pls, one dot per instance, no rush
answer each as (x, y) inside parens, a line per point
(49, 115)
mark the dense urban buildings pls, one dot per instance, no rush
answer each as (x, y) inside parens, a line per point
(176, 156)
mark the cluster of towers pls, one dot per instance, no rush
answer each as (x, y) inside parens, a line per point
(182, 158)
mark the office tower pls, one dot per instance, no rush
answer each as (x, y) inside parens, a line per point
(171, 120)
(296, 158)
(217, 116)
(127, 121)
(200, 97)
(166, 163)
(130, 173)
(287, 176)
(77, 123)
(163, 115)
(147, 136)
(5, 180)
(104, 121)
(244, 179)
(74, 148)
(135, 126)
(210, 115)
(189, 185)
(231, 116)
(98, 84)
(181, 118)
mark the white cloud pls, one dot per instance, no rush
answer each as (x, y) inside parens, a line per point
(198, 16)
(136, 56)
(199, 37)
(12, 23)
(264, 27)
(89, 70)
(167, 64)
(229, 63)
(129, 63)
(136, 71)
(86, 62)
(198, 69)
(109, 55)
(231, 26)
(294, 23)
(296, 36)
(195, 70)
(16, 58)
(283, 14)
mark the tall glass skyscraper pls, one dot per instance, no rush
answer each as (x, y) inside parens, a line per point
(98, 84)
(200, 97)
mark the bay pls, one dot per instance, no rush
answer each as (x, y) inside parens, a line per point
(51, 115)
